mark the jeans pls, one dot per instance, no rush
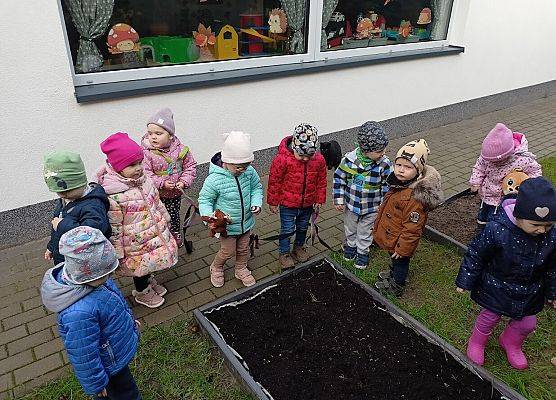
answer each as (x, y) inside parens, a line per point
(293, 220)
(122, 386)
(400, 269)
(486, 213)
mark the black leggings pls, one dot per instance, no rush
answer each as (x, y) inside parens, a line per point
(141, 282)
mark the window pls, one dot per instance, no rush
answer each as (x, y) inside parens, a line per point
(349, 24)
(188, 42)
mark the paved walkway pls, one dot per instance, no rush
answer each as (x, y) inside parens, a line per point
(31, 353)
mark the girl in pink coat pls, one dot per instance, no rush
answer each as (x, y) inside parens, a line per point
(139, 220)
(169, 164)
(501, 152)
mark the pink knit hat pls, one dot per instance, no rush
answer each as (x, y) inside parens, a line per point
(498, 144)
(121, 151)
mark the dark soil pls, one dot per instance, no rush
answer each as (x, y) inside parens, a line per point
(318, 335)
(457, 218)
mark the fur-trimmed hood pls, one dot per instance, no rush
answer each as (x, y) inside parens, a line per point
(428, 188)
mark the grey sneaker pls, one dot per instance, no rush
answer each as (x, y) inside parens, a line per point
(390, 286)
(384, 275)
(148, 297)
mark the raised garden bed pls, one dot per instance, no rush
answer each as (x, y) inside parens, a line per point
(455, 221)
(317, 332)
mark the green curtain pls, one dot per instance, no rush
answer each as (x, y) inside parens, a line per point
(328, 8)
(296, 11)
(90, 17)
(441, 10)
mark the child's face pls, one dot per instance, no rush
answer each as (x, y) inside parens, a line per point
(236, 169)
(404, 170)
(302, 158)
(374, 155)
(534, 228)
(159, 138)
(73, 194)
(133, 171)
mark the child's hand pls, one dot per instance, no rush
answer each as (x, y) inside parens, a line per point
(169, 185)
(396, 256)
(273, 209)
(180, 185)
(103, 393)
(552, 303)
(474, 188)
(256, 210)
(340, 207)
(317, 207)
(48, 255)
(460, 290)
(138, 323)
(55, 221)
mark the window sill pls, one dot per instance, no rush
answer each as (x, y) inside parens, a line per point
(106, 91)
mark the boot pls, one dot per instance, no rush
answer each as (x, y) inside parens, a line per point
(349, 252)
(384, 275)
(286, 261)
(511, 340)
(148, 297)
(245, 276)
(476, 346)
(361, 261)
(300, 253)
(390, 286)
(158, 288)
(217, 276)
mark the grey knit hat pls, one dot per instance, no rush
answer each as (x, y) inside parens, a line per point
(165, 119)
(88, 255)
(305, 140)
(371, 137)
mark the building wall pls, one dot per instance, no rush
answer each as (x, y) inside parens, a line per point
(507, 46)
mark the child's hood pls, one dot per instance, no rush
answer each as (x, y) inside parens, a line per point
(428, 188)
(508, 205)
(113, 183)
(284, 148)
(57, 296)
(216, 166)
(174, 143)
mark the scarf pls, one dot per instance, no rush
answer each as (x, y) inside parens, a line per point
(363, 159)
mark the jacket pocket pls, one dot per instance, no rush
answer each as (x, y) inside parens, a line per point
(107, 354)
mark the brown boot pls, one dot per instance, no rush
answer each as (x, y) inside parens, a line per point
(300, 253)
(286, 261)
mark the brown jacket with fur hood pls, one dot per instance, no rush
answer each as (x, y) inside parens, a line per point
(403, 213)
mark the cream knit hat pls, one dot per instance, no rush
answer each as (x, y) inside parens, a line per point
(237, 148)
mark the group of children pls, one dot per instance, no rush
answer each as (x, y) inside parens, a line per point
(129, 220)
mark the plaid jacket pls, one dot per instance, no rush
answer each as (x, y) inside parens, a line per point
(361, 189)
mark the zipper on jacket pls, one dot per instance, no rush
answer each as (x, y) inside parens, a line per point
(304, 182)
(110, 352)
(242, 205)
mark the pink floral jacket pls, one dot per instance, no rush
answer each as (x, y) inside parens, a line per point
(172, 164)
(488, 175)
(139, 221)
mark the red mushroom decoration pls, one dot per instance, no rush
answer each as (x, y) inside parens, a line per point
(122, 38)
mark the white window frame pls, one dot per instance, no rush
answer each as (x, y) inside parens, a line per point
(314, 54)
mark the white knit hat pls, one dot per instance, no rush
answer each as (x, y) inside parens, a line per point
(237, 148)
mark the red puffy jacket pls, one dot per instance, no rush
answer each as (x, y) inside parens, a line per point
(293, 183)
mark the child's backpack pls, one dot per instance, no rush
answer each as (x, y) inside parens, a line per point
(332, 153)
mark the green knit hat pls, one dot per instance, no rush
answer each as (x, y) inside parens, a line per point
(64, 170)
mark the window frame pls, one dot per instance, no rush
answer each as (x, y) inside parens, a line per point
(313, 56)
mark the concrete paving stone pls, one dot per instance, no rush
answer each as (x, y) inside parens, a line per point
(230, 285)
(200, 286)
(5, 384)
(17, 361)
(197, 300)
(261, 273)
(21, 296)
(163, 314)
(32, 340)
(140, 311)
(263, 259)
(22, 318)
(197, 254)
(13, 334)
(42, 380)
(3, 352)
(191, 266)
(181, 281)
(31, 303)
(42, 323)
(37, 368)
(48, 348)
(9, 310)
(177, 295)
(203, 273)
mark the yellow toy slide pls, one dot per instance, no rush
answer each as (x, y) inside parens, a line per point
(253, 32)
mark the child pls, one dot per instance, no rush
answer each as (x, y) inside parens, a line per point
(138, 218)
(359, 187)
(501, 152)
(80, 203)
(233, 187)
(169, 164)
(510, 269)
(414, 190)
(94, 320)
(297, 183)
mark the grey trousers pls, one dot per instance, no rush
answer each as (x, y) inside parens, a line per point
(359, 230)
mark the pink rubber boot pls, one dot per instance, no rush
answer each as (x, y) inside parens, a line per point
(513, 337)
(476, 346)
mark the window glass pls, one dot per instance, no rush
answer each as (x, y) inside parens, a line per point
(106, 35)
(349, 24)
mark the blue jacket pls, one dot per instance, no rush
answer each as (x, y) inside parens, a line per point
(232, 195)
(96, 326)
(508, 271)
(90, 210)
